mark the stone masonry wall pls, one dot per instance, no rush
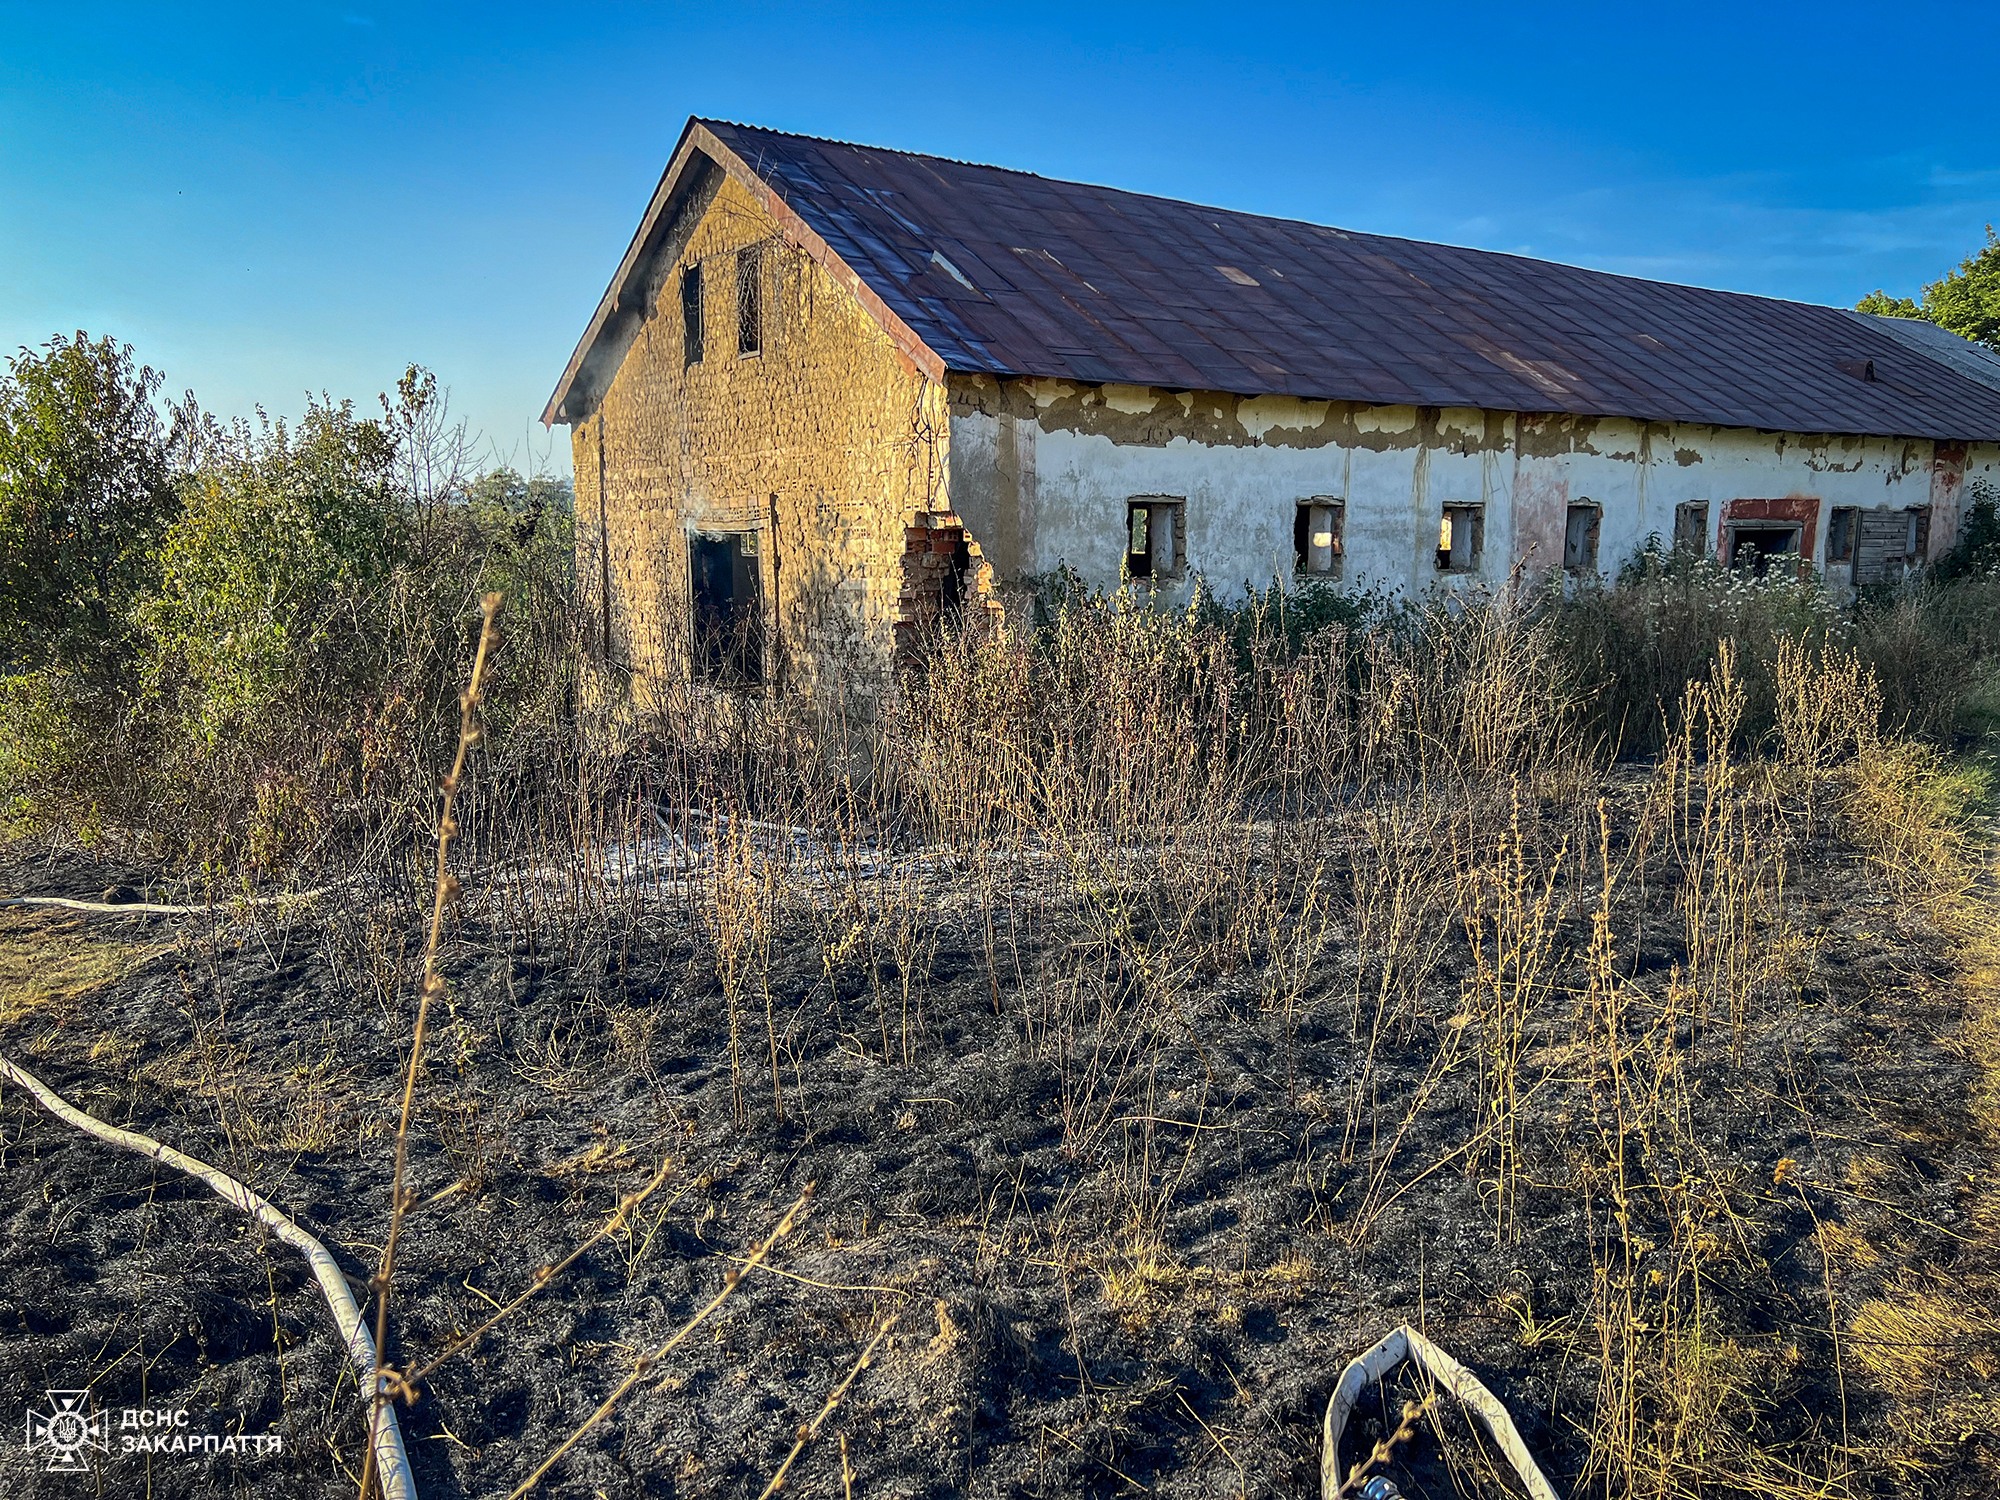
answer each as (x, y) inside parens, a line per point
(828, 442)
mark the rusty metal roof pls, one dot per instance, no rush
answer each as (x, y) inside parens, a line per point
(1006, 273)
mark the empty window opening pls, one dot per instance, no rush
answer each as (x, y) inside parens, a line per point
(1691, 528)
(1580, 537)
(726, 595)
(1753, 548)
(1461, 538)
(691, 314)
(1155, 537)
(1843, 531)
(1918, 546)
(1317, 544)
(750, 300)
(952, 584)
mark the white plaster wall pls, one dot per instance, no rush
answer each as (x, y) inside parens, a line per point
(1055, 496)
(1982, 466)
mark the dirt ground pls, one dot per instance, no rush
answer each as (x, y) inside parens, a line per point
(1164, 1313)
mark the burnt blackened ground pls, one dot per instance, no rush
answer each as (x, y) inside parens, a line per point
(1115, 1266)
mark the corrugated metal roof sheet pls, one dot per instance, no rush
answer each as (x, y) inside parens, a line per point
(1097, 285)
(1974, 361)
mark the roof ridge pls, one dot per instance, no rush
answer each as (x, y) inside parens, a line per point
(1191, 296)
(956, 161)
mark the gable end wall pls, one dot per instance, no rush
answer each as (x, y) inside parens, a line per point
(829, 443)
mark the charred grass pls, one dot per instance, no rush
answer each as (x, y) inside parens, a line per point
(1160, 1022)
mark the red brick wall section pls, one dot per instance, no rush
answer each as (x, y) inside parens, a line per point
(930, 556)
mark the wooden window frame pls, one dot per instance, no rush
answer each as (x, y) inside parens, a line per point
(1573, 564)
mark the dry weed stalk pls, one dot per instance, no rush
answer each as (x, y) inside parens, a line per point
(1731, 896)
(1384, 1451)
(741, 889)
(544, 1275)
(810, 1430)
(645, 1363)
(1508, 910)
(446, 893)
(1670, 1394)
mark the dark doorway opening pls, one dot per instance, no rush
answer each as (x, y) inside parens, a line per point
(728, 609)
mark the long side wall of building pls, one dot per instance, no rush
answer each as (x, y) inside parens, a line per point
(824, 443)
(1042, 471)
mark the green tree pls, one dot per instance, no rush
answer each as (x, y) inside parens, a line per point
(86, 489)
(270, 575)
(1966, 301)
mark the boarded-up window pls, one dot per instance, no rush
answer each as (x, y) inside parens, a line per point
(725, 595)
(1461, 538)
(1317, 544)
(1155, 537)
(1691, 528)
(691, 314)
(1843, 531)
(750, 300)
(1888, 543)
(1580, 537)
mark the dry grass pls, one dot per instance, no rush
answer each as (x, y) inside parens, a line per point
(49, 962)
(1564, 992)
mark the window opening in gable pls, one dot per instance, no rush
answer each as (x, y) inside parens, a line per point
(691, 314)
(750, 300)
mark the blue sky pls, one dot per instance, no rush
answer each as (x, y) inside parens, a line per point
(275, 199)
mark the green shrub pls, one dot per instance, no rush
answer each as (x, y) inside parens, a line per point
(291, 666)
(85, 490)
(269, 576)
(1639, 642)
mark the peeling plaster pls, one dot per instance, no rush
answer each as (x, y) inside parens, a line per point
(1243, 465)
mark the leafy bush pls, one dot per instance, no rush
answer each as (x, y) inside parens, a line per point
(290, 665)
(268, 576)
(85, 490)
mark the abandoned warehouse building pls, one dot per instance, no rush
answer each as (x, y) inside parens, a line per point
(833, 393)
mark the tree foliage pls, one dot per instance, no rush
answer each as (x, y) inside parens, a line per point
(230, 640)
(86, 488)
(1966, 301)
(285, 537)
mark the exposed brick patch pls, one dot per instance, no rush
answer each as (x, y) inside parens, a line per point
(945, 577)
